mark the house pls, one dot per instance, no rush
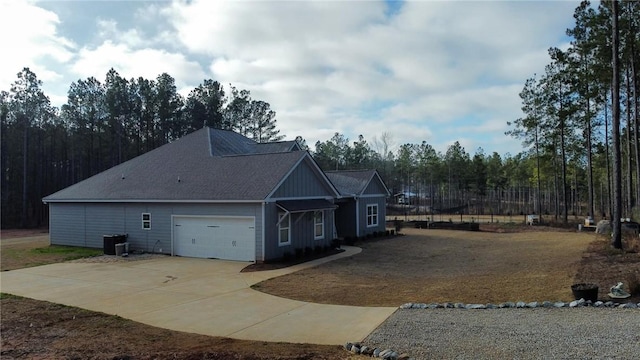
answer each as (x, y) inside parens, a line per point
(361, 204)
(211, 194)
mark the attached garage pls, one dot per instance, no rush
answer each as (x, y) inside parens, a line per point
(214, 237)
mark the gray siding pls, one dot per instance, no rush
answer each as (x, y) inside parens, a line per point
(375, 187)
(363, 202)
(303, 181)
(67, 224)
(85, 224)
(302, 232)
(346, 219)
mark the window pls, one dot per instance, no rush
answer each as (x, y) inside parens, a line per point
(318, 225)
(146, 221)
(372, 215)
(284, 229)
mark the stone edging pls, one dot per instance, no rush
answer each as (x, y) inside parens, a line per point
(387, 354)
(522, 305)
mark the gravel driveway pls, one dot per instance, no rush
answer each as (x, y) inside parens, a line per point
(541, 333)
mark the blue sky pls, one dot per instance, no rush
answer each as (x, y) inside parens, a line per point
(434, 71)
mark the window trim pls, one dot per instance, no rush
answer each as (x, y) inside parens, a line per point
(146, 220)
(372, 216)
(316, 224)
(281, 221)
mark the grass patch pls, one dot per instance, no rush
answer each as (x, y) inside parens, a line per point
(8, 296)
(68, 252)
(25, 255)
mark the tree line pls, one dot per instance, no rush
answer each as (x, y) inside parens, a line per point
(579, 129)
(576, 119)
(583, 111)
(102, 124)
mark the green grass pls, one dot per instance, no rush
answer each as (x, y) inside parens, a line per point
(69, 252)
(8, 296)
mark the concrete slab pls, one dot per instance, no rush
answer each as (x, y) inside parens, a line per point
(209, 297)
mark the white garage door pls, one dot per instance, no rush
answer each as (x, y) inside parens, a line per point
(219, 237)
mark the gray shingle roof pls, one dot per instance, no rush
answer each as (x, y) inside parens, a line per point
(227, 142)
(351, 182)
(185, 170)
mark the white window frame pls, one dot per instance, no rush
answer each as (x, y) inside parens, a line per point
(146, 221)
(372, 216)
(316, 224)
(284, 219)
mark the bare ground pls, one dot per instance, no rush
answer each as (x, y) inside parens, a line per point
(505, 264)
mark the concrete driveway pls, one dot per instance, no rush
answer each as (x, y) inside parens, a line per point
(209, 297)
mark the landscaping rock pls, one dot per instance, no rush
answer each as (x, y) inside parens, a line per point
(475, 306)
(559, 304)
(491, 306)
(629, 306)
(598, 304)
(547, 304)
(576, 303)
(520, 304)
(376, 352)
(533, 304)
(406, 306)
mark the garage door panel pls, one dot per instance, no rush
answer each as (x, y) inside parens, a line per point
(230, 238)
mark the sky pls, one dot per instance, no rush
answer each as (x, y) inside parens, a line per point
(410, 71)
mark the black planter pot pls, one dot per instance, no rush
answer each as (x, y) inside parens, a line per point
(585, 291)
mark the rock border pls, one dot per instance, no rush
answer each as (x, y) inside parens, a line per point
(523, 305)
(387, 354)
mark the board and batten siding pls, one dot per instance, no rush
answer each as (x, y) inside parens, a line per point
(302, 232)
(363, 202)
(85, 224)
(345, 218)
(303, 182)
(375, 187)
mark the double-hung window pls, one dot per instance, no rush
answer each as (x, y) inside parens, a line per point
(318, 225)
(372, 215)
(284, 229)
(146, 221)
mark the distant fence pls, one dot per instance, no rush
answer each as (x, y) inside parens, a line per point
(462, 218)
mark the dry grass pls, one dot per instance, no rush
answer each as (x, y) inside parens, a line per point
(444, 266)
(21, 252)
(605, 266)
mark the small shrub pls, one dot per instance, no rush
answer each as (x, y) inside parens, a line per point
(308, 250)
(398, 226)
(319, 249)
(393, 232)
(387, 233)
(327, 248)
(287, 256)
(335, 243)
(349, 240)
(299, 252)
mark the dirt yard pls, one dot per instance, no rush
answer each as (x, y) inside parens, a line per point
(444, 266)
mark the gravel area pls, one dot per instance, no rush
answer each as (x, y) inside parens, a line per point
(541, 333)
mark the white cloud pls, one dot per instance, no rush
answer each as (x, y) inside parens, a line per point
(434, 70)
(30, 39)
(148, 63)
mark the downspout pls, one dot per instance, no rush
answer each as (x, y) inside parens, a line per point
(335, 229)
(357, 216)
(264, 214)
